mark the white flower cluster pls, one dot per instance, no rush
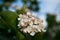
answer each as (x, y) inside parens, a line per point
(30, 24)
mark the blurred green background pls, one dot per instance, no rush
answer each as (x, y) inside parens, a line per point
(8, 21)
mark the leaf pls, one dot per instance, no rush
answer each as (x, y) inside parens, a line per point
(9, 19)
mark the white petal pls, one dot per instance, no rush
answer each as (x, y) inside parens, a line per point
(32, 33)
(18, 18)
(25, 31)
(31, 23)
(28, 13)
(33, 18)
(43, 30)
(22, 24)
(29, 31)
(35, 26)
(18, 25)
(39, 30)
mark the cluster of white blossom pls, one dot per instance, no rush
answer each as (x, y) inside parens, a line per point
(30, 24)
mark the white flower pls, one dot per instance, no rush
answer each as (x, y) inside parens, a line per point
(20, 15)
(43, 30)
(35, 26)
(39, 30)
(31, 23)
(29, 13)
(26, 20)
(25, 30)
(29, 19)
(18, 25)
(33, 18)
(18, 18)
(36, 21)
(32, 33)
(22, 24)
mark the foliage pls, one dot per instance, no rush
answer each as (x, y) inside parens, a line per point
(8, 25)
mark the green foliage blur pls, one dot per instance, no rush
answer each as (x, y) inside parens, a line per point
(10, 31)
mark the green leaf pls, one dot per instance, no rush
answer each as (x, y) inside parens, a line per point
(9, 19)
